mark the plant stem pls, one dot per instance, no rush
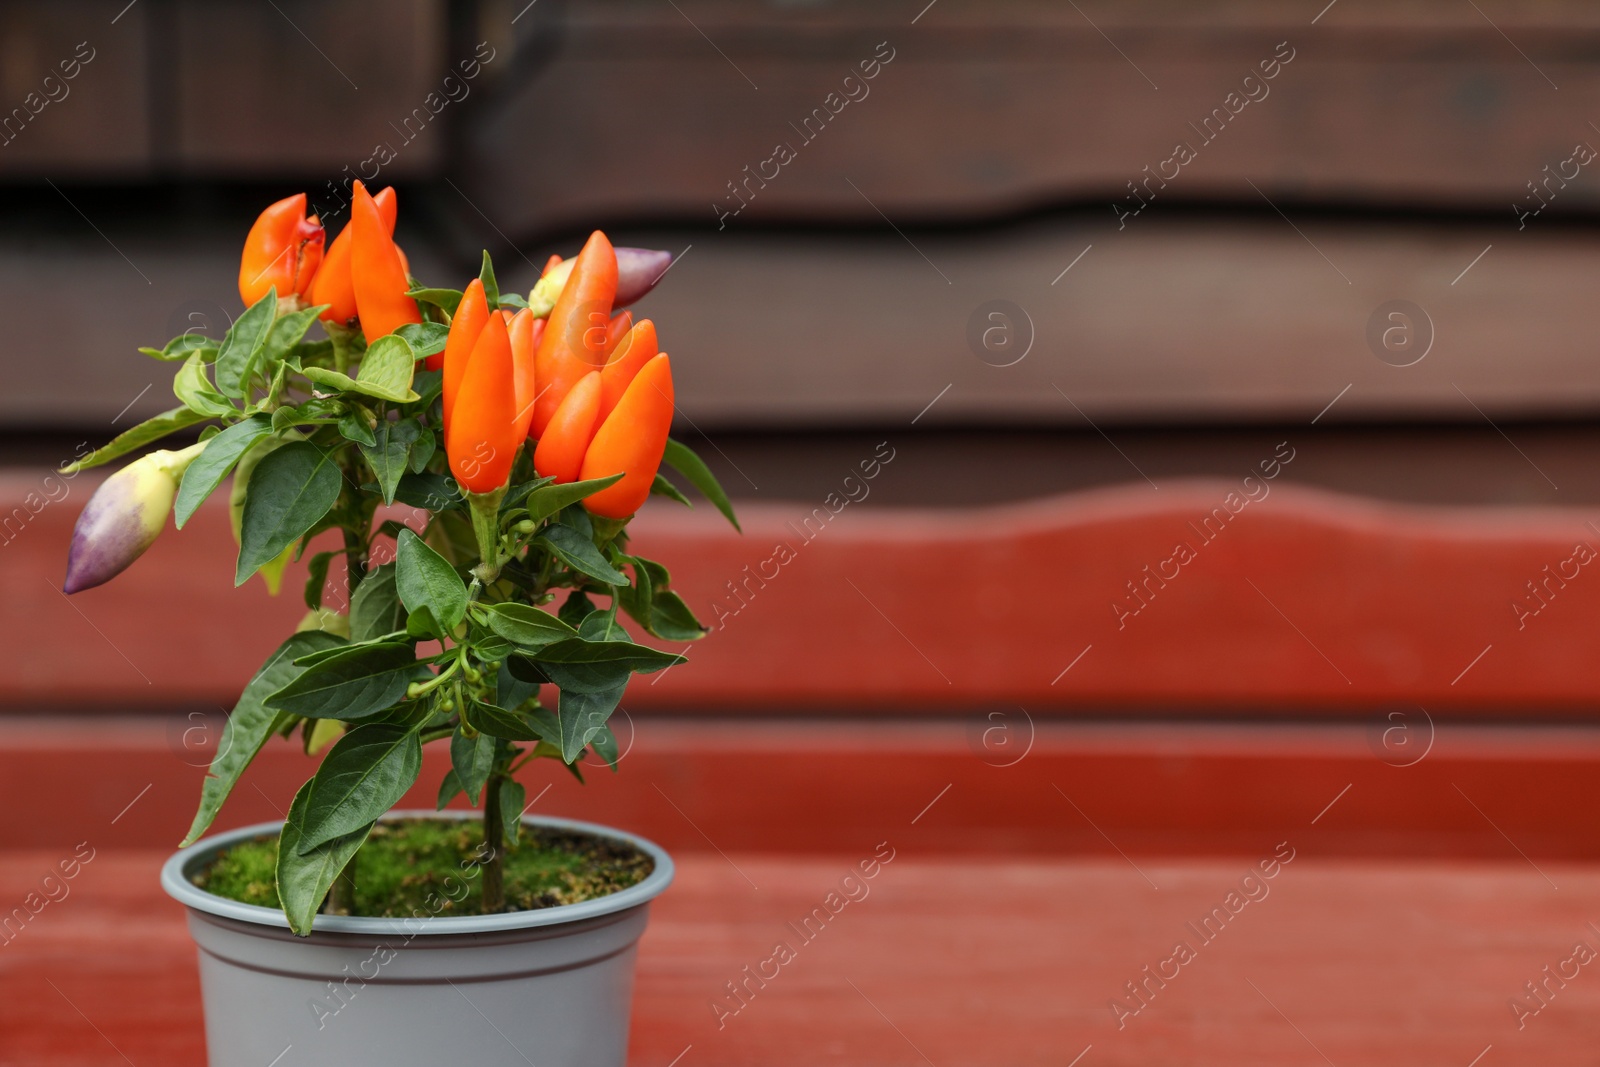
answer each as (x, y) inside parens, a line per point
(486, 528)
(494, 836)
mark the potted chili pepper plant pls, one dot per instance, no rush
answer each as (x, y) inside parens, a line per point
(470, 460)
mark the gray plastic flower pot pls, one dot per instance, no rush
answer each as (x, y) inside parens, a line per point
(551, 987)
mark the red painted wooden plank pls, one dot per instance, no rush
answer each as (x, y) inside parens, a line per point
(956, 962)
(828, 787)
(1302, 599)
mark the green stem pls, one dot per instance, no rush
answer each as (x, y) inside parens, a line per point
(494, 836)
(486, 528)
(416, 689)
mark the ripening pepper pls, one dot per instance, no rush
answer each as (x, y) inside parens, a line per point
(471, 315)
(633, 352)
(482, 437)
(638, 271)
(631, 442)
(616, 330)
(282, 251)
(574, 342)
(566, 439)
(526, 332)
(124, 517)
(332, 285)
(377, 271)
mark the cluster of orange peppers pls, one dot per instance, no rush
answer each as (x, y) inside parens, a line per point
(589, 387)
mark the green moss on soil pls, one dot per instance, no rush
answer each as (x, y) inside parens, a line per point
(403, 867)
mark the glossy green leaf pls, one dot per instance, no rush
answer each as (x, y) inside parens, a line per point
(250, 724)
(390, 453)
(182, 347)
(550, 499)
(638, 658)
(375, 610)
(579, 553)
(604, 744)
(425, 338)
(428, 491)
(193, 387)
(357, 427)
(426, 579)
(445, 299)
(356, 683)
(290, 490)
(681, 458)
(448, 790)
(422, 449)
(491, 288)
(242, 345)
(305, 878)
(286, 334)
(526, 625)
(150, 430)
(202, 476)
(498, 722)
(671, 619)
(662, 487)
(512, 692)
(604, 626)
(583, 715)
(317, 577)
(472, 760)
(365, 773)
(386, 372)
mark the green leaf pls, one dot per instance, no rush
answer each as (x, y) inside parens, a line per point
(386, 372)
(639, 658)
(514, 301)
(317, 577)
(243, 343)
(193, 387)
(212, 465)
(579, 553)
(429, 491)
(472, 760)
(182, 347)
(311, 410)
(526, 625)
(671, 619)
(582, 717)
(390, 452)
(498, 722)
(353, 684)
(491, 288)
(575, 608)
(512, 692)
(681, 458)
(356, 427)
(426, 338)
(426, 579)
(604, 626)
(446, 299)
(365, 774)
(286, 334)
(422, 450)
(290, 490)
(375, 609)
(513, 802)
(662, 487)
(137, 437)
(604, 744)
(304, 879)
(550, 499)
(448, 790)
(249, 725)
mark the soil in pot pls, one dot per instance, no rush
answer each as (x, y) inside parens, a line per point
(402, 868)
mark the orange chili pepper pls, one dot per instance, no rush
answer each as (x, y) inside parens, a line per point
(332, 285)
(377, 271)
(616, 330)
(636, 349)
(631, 441)
(471, 315)
(574, 342)
(282, 251)
(480, 439)
(564, 442)
(525, 331)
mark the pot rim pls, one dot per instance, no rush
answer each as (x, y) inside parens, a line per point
(175, 880)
